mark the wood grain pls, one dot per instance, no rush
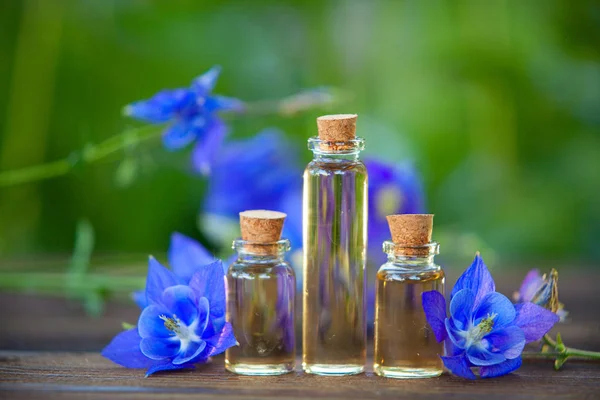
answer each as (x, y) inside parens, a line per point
(30, 326)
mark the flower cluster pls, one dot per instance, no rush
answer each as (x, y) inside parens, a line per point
(485, 332)
(183, 318)
(193, 116)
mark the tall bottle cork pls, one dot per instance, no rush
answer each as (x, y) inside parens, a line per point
(411, 230)
(263, 228)
(336, 129)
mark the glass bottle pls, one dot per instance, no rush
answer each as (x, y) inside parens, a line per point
(260, 306)
(335, 241)
(405, 346)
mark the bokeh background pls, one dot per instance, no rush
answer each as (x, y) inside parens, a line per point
(497, 103)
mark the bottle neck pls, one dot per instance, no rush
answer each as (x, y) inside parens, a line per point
(253, 258)
(336, 151)
(408, 260)
(335, 157)
(260, 253)
(411, 256)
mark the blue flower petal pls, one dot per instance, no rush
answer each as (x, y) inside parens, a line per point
(480, 356)
(206, 149)
(509, 341)
(461, 308)
(477, 278)
(434, 305)
(216, 103)
(459, 366)
(205, 83)
(179, 134)
(166, 366)
(151, 325)
(191, 351)
(495, 304)
(124, 350)
(535, 321)
(181, 301)
(186, 256)
(203, 315)
(139, 297)
(159, 278)
(159, 348)
(209, 282)
(455, 335)
(222, 341)
(504, 368)
(162, 107)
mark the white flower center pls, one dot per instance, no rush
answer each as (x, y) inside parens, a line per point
(181, 331)
(475, 333)
(388, 201)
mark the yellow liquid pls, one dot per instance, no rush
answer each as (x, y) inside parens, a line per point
(260, 307)
(405, 346)
(334, 319)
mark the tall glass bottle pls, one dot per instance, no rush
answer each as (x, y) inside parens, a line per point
(335, 241)
(405, 346)
(260, 300)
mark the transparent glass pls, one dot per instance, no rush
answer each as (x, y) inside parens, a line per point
(335, 241)
(405, 346)
(260, 307)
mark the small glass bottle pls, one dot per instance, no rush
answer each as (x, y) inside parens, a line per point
(405, 346)
(335, 241)
(260, 298)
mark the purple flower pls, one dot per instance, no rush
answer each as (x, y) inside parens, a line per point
(193, 116)
(393, 189)
(543, 291)
(257, 173)
(182, 324)
(185, 256)
(485, 331)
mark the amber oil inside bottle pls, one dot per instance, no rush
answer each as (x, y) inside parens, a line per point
(405, 346)
(260, 307)
(335, 239)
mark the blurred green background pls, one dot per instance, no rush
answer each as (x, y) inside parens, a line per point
(497, 103)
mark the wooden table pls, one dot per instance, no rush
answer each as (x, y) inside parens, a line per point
(50, 350)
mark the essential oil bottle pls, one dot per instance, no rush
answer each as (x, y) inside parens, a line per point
(260, 298)
(405, 346)
(335, 241)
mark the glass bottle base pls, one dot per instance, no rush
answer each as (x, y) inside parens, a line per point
(333, 369)
(406, 372)
(259, 369)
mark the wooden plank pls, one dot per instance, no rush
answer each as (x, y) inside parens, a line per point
(78, 375)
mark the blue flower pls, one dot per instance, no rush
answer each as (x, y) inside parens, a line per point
(257, 173)
(185, 256)
(193, 116)
(543, 291)
(485, 331)
(182, 324)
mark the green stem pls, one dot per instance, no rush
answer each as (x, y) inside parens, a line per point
(287, 106)
(58, 283)
(569, 351)
(90, 154)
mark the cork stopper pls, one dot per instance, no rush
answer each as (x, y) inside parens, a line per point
(261, 227)
(336, 129)
(409, 230)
